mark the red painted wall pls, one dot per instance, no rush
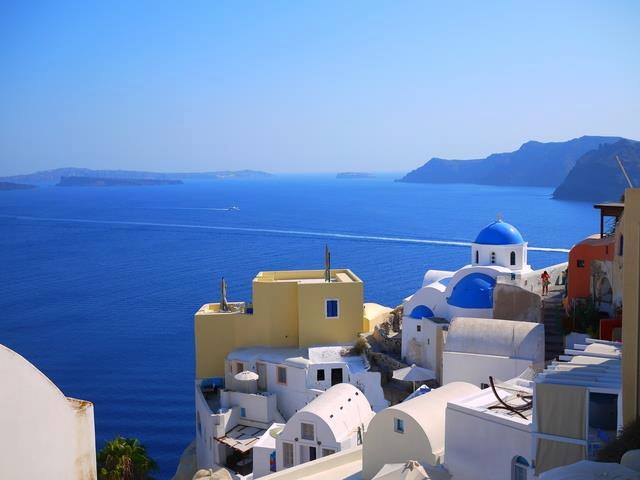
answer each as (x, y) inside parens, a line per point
(584, 252)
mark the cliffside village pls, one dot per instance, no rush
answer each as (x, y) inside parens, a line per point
(492, 371)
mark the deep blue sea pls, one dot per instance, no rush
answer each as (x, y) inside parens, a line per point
(99, 285)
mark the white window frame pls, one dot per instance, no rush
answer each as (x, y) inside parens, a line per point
(286, 464)
(239, 367)
(313, 431)
(326, 302)
(395, 425)
(278, 375)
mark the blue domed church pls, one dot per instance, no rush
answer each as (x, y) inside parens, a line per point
(499, 250)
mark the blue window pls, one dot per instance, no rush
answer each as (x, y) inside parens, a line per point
(398, 425)
(243, 412)
(332, 308)
(519, 468)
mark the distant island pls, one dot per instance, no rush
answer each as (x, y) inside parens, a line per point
(53, 177)
(112, 182)
(15, 186)
(534, 164)
(596, 175)
(352, 175)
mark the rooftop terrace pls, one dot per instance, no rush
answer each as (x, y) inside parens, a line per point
(308, 276)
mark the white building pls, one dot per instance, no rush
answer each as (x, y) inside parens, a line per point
(499, 249)
(412, 430)
(43, 433)
(498, 283)
(477, 348)
(264, 452)
(297, 376)
(232, 420)
(577, 407)
(335, 421)
(486, 440)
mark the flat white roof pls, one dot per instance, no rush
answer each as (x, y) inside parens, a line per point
(510, 392)
(598, 366)
(299, 357)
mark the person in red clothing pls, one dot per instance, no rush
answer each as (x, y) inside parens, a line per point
(546, 280)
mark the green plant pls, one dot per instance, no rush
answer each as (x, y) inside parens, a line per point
(360, 346)
(125, 459)
(586, 317)
(629, 439)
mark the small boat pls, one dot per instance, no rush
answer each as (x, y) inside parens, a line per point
(233, 209)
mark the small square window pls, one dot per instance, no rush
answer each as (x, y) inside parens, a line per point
(419, 328)
(398, 425)
(331, 308)
(307, 431)
(580, 263)
(239, 367)
(320, 375)
(243, 412)
(282, 375)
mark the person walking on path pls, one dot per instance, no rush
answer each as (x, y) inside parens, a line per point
(546, 280)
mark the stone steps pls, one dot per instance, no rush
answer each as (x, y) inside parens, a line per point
(552, 315)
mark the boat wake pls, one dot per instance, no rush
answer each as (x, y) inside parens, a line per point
(300, 233)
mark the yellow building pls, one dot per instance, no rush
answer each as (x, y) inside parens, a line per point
(631, 306)
(296, 308)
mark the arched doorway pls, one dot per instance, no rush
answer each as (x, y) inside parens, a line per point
(604, 295)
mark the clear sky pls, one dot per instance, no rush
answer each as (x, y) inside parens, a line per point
(308, 86)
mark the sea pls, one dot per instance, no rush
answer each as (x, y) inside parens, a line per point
(99, 285)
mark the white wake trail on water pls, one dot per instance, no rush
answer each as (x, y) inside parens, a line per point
(210, 209)
(347, 236)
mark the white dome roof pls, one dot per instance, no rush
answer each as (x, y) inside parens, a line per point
(488, 336)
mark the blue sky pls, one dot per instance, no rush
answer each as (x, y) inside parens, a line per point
(308, 86)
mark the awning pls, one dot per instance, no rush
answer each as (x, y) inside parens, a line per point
(241, 437)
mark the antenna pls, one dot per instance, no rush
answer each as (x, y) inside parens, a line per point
(327, 264)
(224, 306)
(499, 217)
(624, 172)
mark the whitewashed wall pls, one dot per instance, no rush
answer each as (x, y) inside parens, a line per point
(478, 448)
(43, 434)
(475, 369)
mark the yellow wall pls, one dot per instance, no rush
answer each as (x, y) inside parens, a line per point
(287, 312)
(631, 306)
(315, 328)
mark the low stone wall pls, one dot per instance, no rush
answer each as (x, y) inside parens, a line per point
(388, 342)
(532, 281)
(514, 303)
(385, 364)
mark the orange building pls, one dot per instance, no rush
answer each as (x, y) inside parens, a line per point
(579, 283)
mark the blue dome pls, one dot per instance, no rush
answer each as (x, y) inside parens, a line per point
(421, 311)
(473, 291)
(499, 233)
